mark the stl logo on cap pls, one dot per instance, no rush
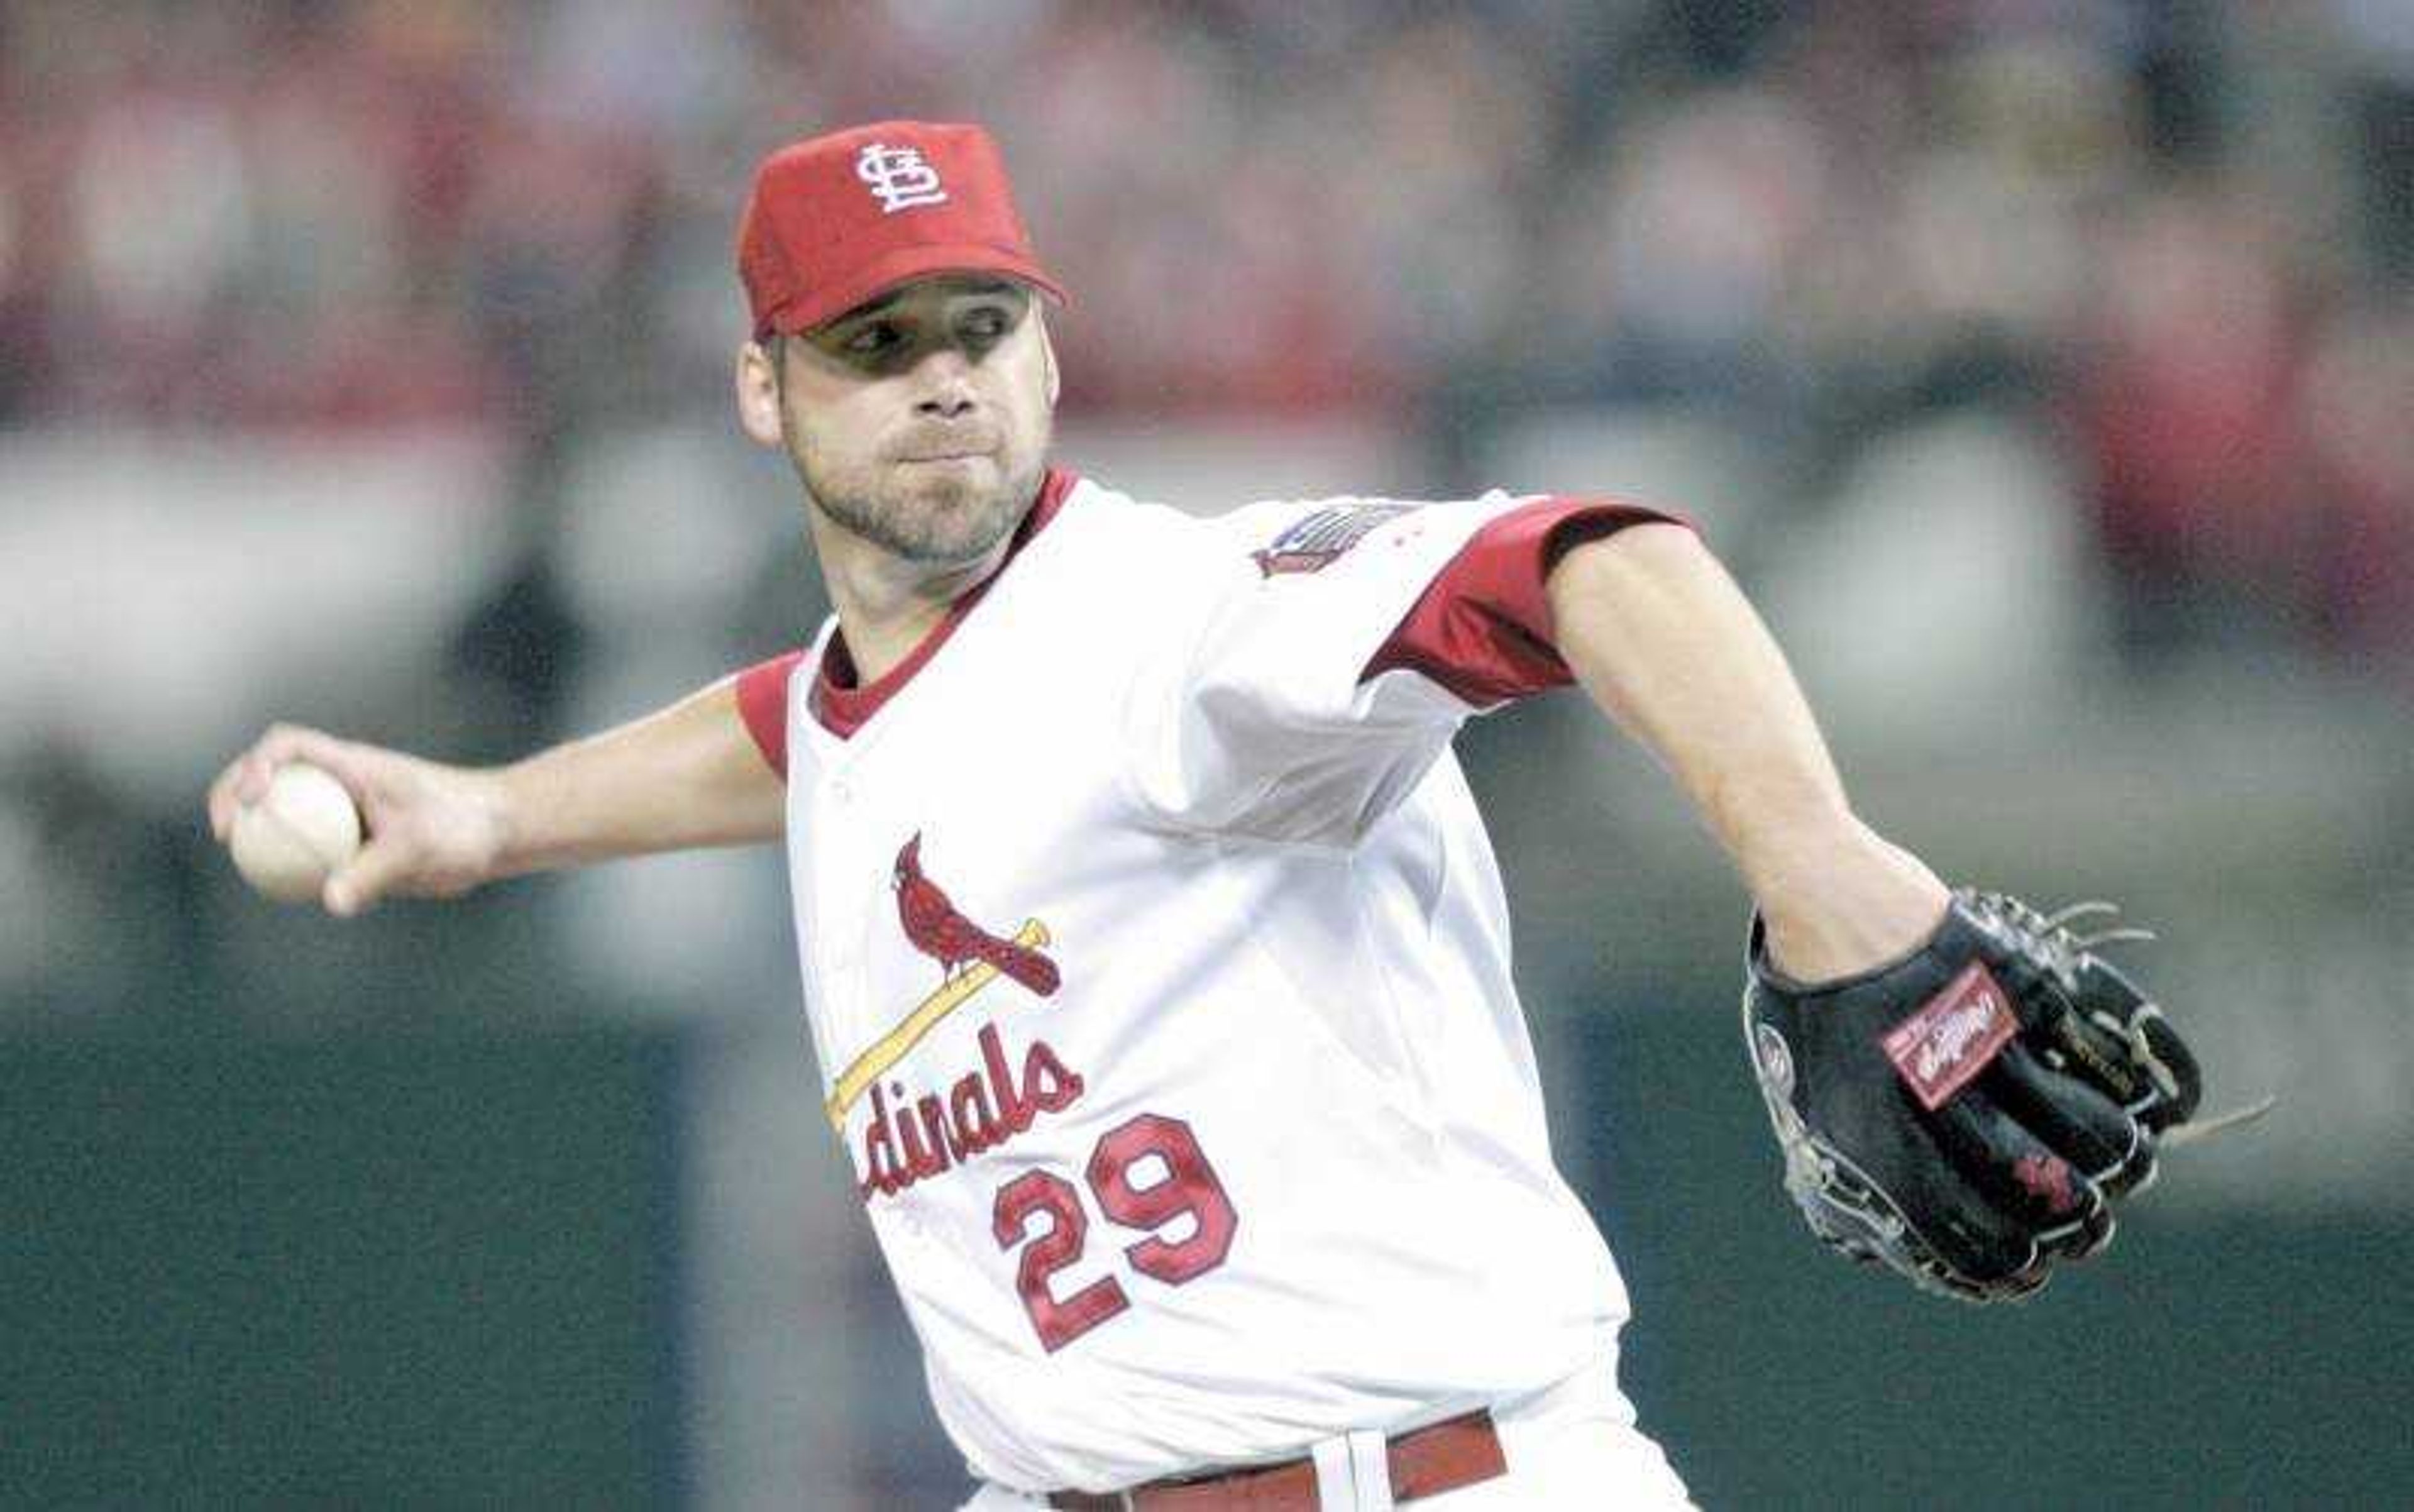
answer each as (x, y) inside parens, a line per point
(812, 243)
(898, 176)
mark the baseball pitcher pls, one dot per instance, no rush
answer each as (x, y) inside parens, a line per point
(1152, 948)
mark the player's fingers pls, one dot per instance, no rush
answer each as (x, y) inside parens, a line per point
(354, 766)
(1977, 1236)
(372, 872)
(252, 769)
(2116, 1038)
(222, 802)
(1984, 1243)
(2073, 1119)
(2050, 1197)
(2178, 1101)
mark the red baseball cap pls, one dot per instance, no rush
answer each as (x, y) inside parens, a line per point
(840, 218)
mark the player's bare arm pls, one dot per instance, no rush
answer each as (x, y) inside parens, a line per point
(1963, 1088)
(1659, 634)
(686, 776)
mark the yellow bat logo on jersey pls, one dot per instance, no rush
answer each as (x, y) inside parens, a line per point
(892, 1047)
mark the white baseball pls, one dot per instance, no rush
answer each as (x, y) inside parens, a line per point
(289, 843)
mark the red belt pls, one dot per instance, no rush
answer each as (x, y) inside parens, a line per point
(1424, 1461)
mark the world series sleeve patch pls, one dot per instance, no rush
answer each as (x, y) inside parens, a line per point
(1313, 543)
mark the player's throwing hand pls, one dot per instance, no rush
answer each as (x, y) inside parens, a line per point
(433, 830)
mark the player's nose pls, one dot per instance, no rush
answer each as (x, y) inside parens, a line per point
(947, 389)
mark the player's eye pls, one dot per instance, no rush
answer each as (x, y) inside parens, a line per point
(871, 340)
(987, 323)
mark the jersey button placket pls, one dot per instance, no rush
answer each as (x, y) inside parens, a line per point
(841, 873)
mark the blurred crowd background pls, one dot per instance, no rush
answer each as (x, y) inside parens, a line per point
(2182, 231)
(2046, 368)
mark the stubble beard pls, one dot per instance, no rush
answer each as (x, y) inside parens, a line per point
(944, 522)
(947, 523)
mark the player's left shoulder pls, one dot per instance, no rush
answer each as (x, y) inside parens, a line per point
(1362, 535)
(1120, 561)
(1111, 537)
(1155, 549)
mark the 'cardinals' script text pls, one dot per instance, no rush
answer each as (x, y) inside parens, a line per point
(908, 1140)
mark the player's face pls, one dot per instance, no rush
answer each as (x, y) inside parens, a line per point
(919, 420)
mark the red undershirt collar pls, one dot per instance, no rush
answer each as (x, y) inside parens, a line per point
(842, 706)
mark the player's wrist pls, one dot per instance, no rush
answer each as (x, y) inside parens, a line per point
(1785, 830)
(1839, 898)
(497, 829)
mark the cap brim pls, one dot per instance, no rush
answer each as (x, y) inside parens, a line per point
(903, 265)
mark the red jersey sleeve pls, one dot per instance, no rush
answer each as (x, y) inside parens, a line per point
(1482, 628)
(762, 704)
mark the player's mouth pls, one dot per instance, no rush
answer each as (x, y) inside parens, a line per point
(943, 444)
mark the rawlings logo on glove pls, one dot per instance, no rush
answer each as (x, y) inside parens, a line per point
(1969, 1116)
(1952, 1037)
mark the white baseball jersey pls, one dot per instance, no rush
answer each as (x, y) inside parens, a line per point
(1159, 968)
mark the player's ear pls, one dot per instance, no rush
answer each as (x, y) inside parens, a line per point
(757, 381)
(1048, 361)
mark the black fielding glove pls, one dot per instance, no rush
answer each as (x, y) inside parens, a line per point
(1969, 1114)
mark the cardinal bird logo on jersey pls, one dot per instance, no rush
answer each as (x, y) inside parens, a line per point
(970, 959)
(913, 1135)
(939, 930)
